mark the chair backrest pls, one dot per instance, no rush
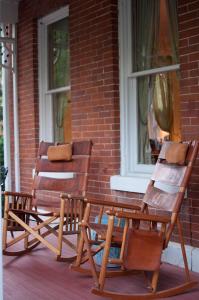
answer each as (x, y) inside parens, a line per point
(62, 176)
(173, 177)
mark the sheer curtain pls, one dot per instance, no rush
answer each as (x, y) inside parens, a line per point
(149, 53)
(163, 88)
(145, 30)
(162, 101)
(59, 108)
(173, 28)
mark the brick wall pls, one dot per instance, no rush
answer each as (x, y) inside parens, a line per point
(95, 92)
(29, 12)
(189, 95)
(95, 87)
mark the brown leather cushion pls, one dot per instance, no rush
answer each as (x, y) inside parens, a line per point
(176, 153)
(60, 152)
(143, 250)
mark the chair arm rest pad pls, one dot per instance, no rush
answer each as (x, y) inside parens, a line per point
(113, 204)
(19, 194)
(142, 216)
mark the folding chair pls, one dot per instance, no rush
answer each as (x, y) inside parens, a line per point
(93, 235)
(59, 169)
(146, 235)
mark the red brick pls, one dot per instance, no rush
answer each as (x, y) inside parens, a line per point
(95, 92)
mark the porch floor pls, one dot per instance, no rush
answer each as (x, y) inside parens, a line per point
(39, 276)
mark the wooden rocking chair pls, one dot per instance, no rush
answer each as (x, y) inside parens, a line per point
(146, 235)
(93, 235)
(60, 169)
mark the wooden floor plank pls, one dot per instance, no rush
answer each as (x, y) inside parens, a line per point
(38, 275)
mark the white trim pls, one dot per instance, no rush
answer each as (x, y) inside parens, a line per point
(42, 82)
(130, 184)
(58, 90)
(6, 40)
(5, 74)
(173, 255)
(155, 71)
(55, 16)
(6, 127)
(124, 44)
(128, 140)
(134, 174)
(45, 95)
(15, 113)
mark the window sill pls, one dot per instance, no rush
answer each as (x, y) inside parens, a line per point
(129, 184)
(138, 184)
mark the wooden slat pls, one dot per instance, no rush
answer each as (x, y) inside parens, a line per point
(169, 174)
(113, 204)
(160, 199)
(78, 164)
(43, 148)
(143, 216)
(82, 147)
(71, 185)
(192, 152)
(33, 277)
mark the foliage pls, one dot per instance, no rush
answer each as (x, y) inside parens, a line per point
(1, 119)
(1, 151)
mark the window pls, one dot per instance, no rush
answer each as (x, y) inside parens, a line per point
(149, 87)
(54, 77)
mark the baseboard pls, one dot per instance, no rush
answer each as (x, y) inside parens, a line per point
(173, 255)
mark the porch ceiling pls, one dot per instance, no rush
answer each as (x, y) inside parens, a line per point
(9, 11)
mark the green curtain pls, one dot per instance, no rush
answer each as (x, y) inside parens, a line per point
(59, 107)
(145, 32)
(162, 101)
(173, 28)
(163, 98)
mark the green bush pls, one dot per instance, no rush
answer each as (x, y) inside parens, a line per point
(1, 151)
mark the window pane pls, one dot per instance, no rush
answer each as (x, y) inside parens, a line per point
(58, 54)
(158, 114)
(62, 117)
(155, 34)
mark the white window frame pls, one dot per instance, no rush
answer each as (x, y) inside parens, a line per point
(133, 177)
(45, 94)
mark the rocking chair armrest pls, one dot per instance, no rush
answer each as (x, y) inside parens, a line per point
(18, 194)
(113, 204)
(70, 196)
(141, 216)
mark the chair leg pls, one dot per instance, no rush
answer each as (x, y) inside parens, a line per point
(5, 223)
(61, 225)
(102, 275)
(90, 257)
(80, 249)
(183, 250)
(27, 237)
(154, 281)
(80, 245)
(26, 242)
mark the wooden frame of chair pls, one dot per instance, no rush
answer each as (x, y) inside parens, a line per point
(20, 208)
(158, 239)
(84, 251)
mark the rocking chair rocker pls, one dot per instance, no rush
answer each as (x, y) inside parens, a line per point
(59, 169)
(145, 235)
